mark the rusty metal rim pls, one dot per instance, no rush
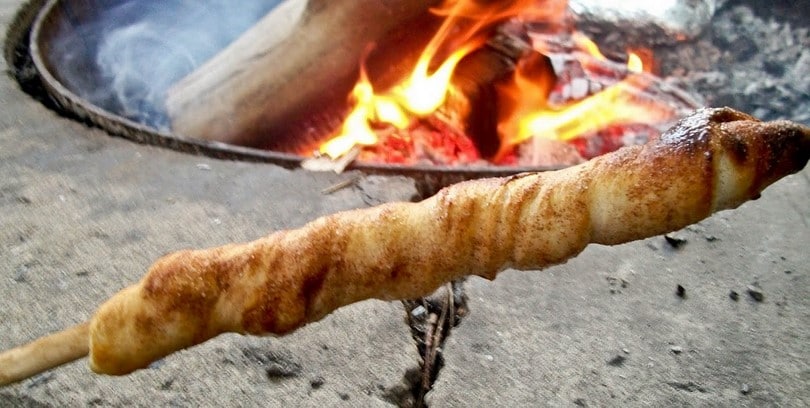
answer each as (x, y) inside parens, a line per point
(140, 133)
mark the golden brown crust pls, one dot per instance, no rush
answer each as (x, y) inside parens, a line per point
(713, 160)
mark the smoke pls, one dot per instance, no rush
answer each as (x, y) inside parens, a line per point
(125, 55)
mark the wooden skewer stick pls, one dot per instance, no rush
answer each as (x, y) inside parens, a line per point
(44, 353)
(713, 160)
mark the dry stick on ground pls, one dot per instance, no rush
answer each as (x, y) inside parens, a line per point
(712, 160)
(434, 340)
(427, 363)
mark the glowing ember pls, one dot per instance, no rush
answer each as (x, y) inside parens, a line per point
(424, 91)
(400, 122)
(588, 45)
(356, 129)
(634, 63)
(533, 116)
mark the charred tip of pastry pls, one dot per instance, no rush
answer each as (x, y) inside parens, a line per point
(784, 135)
(777, 132)
(804, 132)
(771, 149)
(789, 146)
(781, 137)
(797, 134)
(727, 114)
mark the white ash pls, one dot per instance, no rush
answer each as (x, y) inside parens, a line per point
(639, 22)
(754, 58)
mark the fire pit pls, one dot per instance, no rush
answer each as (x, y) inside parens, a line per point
(511, 89)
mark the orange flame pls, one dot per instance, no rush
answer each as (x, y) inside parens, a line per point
(525, 109)
(423, 92)
(634, 63)
(356, 129)
(611, 106)
(585, 43)
(640, 60)
(533, 116)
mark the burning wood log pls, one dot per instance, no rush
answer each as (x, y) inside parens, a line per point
(715, 159)
(475, 82)
(261, 80)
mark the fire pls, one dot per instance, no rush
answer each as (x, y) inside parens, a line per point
(524, 111)
(610, 107)
(585, 43)
(634, 63)
(423, 92)
(533, 116)
(419, 95)
(356, 130)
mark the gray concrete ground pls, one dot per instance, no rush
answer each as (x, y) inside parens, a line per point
(83, 214)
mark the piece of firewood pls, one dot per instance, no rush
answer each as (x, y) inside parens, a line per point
(713, 160)
(300, 54)
(474, 94)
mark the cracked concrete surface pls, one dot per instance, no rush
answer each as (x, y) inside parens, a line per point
(83, 214)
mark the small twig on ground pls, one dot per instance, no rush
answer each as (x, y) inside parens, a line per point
(340, 185)
(326, 163)
(428, 361)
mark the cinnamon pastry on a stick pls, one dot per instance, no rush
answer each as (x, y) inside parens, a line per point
(712, 160)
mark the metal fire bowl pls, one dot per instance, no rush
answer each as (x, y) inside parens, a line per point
(54, 14)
